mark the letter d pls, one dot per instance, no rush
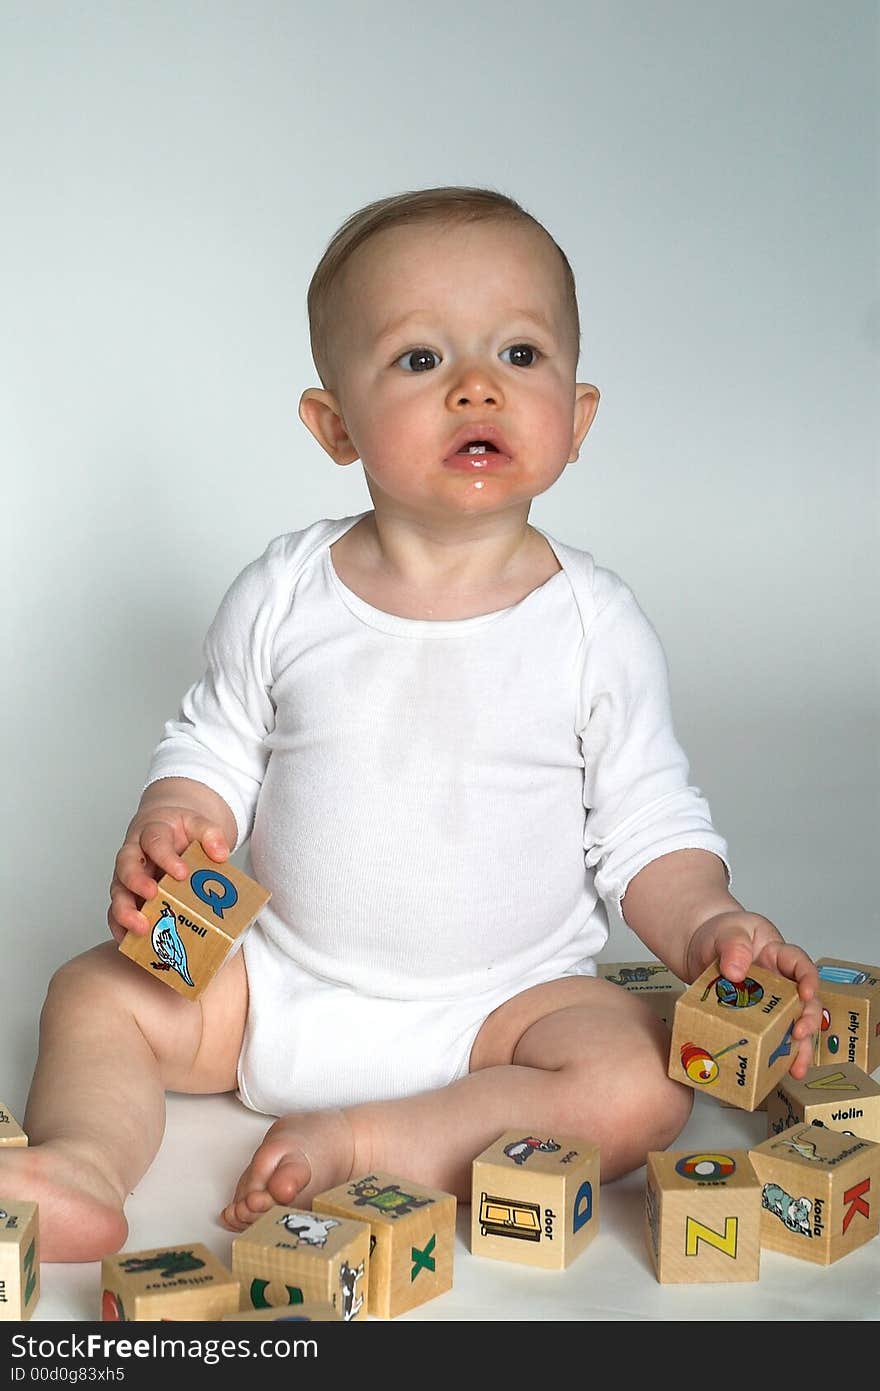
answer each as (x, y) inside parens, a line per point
(583, 1206)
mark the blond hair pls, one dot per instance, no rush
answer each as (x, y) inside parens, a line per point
(450, 205)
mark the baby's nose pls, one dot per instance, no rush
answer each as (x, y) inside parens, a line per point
(476, 383)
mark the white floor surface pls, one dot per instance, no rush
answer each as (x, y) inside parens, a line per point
(209, 1139)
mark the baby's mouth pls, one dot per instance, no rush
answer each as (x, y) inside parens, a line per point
(478, 447)
(478, 455)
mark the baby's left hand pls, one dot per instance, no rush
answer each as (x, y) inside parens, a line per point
(739, 938)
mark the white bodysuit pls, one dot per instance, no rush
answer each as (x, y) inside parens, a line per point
(441, 810)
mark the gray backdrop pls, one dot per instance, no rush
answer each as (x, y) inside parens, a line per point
(170, 175)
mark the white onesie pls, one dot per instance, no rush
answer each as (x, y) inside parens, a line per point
(442, 810)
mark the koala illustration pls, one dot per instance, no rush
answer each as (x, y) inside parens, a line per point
(793, 1212)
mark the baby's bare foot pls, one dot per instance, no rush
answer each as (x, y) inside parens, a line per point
(80, 1212)
(301, 1155)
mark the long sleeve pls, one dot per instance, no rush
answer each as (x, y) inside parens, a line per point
(219, 737)
(638, 800)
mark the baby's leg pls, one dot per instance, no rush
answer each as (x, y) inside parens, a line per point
(112, 1041)
(578, 1056)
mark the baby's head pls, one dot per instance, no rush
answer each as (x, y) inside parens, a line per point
(438, 311)
(340, 275)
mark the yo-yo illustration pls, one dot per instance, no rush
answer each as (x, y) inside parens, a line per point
(737, 994)
(700, 1065)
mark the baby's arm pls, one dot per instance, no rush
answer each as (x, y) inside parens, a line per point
(680, 907)
(171, 814)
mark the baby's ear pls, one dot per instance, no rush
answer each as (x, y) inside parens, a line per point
(319, 411)
(586, 403)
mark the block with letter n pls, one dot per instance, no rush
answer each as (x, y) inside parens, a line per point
(19, 1258)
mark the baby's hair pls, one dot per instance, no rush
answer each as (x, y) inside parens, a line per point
(446, 206)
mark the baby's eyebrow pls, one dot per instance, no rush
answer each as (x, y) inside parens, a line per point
(396, 326)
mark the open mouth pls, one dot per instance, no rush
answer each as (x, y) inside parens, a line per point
(478, 447)
(478, 454)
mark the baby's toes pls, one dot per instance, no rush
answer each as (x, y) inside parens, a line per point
(289, 1179)
(247, 1209)
(229, 1219)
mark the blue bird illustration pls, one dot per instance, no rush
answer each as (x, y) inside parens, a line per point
(168, 946)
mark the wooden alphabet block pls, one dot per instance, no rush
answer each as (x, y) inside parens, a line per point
(195, 922)
(412, 1237)
(290, 1256)
(703, 1216)
(11, 1132)
(734, 1041)
(819, 1192)
(850, 1031)
(19, 1258)
(535, 1199)
(167, 1282)
(839, 1095)
(650, 980)
(309, 1312)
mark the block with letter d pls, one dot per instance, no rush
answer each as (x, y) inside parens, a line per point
(195, 922)
(535, 1199)
(703, 1216)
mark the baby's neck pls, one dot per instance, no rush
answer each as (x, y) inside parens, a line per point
(414, 573)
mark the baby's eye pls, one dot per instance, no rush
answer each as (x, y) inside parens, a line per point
(519, 349)
(415, 359)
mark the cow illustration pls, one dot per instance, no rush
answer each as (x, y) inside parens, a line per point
(348, 1279)
(308, 1227)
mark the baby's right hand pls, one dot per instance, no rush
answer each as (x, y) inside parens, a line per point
(152, 847)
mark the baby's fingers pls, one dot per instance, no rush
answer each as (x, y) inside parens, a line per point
(158, 845)
(804, 1039)
(792, 961)
(123, 915)
(136, 872)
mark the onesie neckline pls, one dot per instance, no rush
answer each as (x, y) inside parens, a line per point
(425, 627)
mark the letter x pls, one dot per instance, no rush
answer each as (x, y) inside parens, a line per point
(423, 1260)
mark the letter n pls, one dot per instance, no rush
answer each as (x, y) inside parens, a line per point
(583, 1206)
(695, 1232)
(30, 1272)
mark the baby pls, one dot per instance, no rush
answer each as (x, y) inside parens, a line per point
(446, 738)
